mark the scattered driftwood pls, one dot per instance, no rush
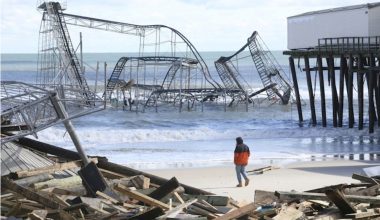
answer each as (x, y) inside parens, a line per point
(262, 169)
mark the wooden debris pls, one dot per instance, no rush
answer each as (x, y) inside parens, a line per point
(265, 197)
(141, 197)
(320, 196)
(59, 183)
(340, 201)
(50, 169)
(107, 197)
(175, 211)
(150, 214)
(290, 213)
(34, 179)
(29, 194)
(132, 194)
(244, 210)
(365, 214)
(262, 169)
(165, 189)
(178, 197)
(364, 179)
(38, 214)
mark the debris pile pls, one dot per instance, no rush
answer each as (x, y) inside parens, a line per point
(57, 192)
(342, 201)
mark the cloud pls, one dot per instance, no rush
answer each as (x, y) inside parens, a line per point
(209, 24)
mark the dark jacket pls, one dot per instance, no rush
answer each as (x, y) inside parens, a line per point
(241, 154)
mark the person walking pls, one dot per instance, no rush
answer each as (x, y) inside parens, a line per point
(241, 155)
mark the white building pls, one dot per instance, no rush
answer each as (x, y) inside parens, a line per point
(305, 29)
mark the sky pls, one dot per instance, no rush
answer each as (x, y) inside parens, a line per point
(211, 25)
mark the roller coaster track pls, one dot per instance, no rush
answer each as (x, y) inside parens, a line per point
(137, 30)
(269, 72)
(53, 10)
(174, 62)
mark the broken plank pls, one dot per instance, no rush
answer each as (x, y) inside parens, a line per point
(29, 194)
(340, 201)
(213, 199)
(67, 182)
(321, 196)
(150, 214)
(370, 191)
(141, 197)
(368, 214)
(208, 207)
(264, 197)
(34, 179)
(364, 179)
(105, 196)
(141, 182)
(262, 169)
(174, 211)
(192, 209)
(211, 207)
(244, 210)
(165, 189)
(60, 191)
(178, 197)
(111, 175)
(50, 169)
(38, 214)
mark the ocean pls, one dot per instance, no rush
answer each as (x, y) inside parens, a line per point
(172, 139)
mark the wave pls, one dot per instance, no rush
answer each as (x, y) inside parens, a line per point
(106, 135)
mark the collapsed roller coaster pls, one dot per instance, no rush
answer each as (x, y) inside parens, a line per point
(167, 70)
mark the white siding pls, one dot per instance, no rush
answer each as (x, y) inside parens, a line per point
(305, 30)
(374, 21)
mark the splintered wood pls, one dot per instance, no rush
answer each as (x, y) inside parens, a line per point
(45, 193)
(342, 201)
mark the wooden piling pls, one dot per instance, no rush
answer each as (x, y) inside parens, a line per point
(295, 83)
(371, 108)
(377, 94)
(334, 93)
(343, 69)
(322, 90)
(310, 88)
(360, 91)
(351, 116)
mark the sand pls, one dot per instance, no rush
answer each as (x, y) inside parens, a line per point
(299, 176)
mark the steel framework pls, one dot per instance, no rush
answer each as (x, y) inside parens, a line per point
(275, 82)
(27, 109)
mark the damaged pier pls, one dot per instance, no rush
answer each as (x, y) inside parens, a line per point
(343, 59)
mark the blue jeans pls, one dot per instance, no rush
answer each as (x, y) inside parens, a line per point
(240, 171)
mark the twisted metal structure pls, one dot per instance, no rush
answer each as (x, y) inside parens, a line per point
(272, 76)
(27, 109)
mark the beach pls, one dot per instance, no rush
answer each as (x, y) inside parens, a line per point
(299, 176)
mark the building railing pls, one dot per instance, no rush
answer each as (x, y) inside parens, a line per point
(349, 44)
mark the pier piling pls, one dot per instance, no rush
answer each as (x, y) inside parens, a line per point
(358, 61)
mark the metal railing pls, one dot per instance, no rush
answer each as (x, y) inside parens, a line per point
(349, 44)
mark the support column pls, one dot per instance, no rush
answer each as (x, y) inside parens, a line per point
(334, 93)
(377, 94)
(360, 91)
(310, 88)
(371, 93)
(343, 69)
(297, 93)
(351, 117)
(322, 90)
